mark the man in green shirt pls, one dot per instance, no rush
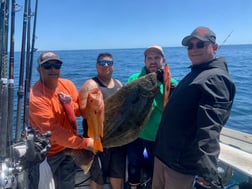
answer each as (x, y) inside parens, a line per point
(154, 60)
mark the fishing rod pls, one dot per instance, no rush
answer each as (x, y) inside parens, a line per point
(37, 144)
(21, 75)
(32, 146)
(225, 40)
(27, 74)
(25, 53)
(2, 17)
(33, 49)
(5, 164)
(14, 8)
(29, 64)
(4, 80)
(11, 75)
(2, 14)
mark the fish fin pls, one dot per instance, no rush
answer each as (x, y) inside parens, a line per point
(98, 146)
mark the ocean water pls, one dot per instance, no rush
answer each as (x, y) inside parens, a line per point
(79, 65)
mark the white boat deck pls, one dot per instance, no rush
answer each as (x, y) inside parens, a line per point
(236, 150)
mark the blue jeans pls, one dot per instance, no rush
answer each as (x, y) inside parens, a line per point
(136, 159)
(63, 170)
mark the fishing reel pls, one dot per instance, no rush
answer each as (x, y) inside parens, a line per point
(7, 178)
(32, 148)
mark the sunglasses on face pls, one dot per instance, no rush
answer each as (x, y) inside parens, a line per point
(103, 62)
(48, 66)
(198, 45)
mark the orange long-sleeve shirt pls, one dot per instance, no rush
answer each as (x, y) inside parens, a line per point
(47, 114)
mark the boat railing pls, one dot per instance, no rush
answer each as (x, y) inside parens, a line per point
(236, 150)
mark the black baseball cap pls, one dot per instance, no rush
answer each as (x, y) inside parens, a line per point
(201, 33)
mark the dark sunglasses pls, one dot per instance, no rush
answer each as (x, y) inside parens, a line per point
(198, 45)
(49, 66)
(103, 62)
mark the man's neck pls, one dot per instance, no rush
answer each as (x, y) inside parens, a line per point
(107, 81)
(51, 85)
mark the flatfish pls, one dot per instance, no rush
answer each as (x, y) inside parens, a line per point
(127, 111)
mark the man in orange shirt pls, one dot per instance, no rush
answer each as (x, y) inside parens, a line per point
(47, 114)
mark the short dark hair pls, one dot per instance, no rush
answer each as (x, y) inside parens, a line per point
(101, 55)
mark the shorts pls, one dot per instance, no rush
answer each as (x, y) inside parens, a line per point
(63, 169)
(165, 177)
(109, 163)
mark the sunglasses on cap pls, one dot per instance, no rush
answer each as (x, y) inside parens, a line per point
(198, 45)
(48, 66)
(103, 62)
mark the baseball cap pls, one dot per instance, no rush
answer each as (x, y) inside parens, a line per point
(47, 56)
(154, 48)
(201, 33)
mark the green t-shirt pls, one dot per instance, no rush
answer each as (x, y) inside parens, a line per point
(150, 129)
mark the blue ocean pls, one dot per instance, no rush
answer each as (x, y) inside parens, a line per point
(79, 65)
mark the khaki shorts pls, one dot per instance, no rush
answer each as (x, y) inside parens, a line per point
(166, 178)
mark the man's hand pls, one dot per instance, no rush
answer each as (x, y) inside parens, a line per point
(90, 143)
(201, 183)
(160, 75)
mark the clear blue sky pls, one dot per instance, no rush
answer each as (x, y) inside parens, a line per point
(106, 24)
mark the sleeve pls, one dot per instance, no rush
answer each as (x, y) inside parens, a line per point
(43, 117)
(213, 112)
(133, 77)
(70, 140)
(174, 82)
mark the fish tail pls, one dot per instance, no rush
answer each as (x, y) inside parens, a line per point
(98, 146)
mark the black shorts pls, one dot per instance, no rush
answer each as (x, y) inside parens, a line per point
(110, 163)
